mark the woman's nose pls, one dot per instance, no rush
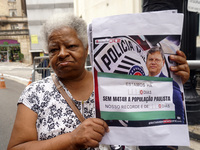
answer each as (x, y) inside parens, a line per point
(63, 52)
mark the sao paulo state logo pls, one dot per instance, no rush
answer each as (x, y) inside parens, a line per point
(136, 70)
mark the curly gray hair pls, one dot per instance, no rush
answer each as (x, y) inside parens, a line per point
(64, 20)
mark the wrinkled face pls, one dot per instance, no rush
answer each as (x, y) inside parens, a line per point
(154, 63)
(67, 53)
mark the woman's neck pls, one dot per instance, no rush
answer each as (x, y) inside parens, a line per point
(75, 79)
(81, 87)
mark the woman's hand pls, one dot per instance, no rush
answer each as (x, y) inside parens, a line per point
(182, 69)
(89, 133)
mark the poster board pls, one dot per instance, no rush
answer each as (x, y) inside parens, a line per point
(139, 109)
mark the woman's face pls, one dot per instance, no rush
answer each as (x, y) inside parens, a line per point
(67, 53)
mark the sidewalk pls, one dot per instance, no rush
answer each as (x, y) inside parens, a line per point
(194, 131)
(21, 72)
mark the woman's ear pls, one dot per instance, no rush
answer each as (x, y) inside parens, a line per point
(86, 52)
(87, 49)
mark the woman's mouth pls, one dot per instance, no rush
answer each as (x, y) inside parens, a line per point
(64, 64)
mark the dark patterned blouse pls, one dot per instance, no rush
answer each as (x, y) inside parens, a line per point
(55, 116)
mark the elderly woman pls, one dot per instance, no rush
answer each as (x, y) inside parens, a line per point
(44, 119)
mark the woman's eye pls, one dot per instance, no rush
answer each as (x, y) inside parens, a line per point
(53, 50)
(72, 46)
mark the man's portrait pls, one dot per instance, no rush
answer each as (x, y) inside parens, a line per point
(155, 61)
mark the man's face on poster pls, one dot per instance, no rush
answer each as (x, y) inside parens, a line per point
(154, 63)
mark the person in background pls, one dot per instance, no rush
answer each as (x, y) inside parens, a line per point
(44, 68)
(44, 120)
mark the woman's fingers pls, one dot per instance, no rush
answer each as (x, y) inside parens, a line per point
(90, 132)
(182, 69)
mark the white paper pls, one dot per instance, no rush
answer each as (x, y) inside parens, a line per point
(119, 45)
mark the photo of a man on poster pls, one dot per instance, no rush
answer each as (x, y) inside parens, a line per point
(155, 61)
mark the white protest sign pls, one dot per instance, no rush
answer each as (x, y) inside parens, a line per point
(137, 98)
(139, 110)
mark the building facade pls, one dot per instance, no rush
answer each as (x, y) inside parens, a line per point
(90, 9)
(38, 12)
(14, 33)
